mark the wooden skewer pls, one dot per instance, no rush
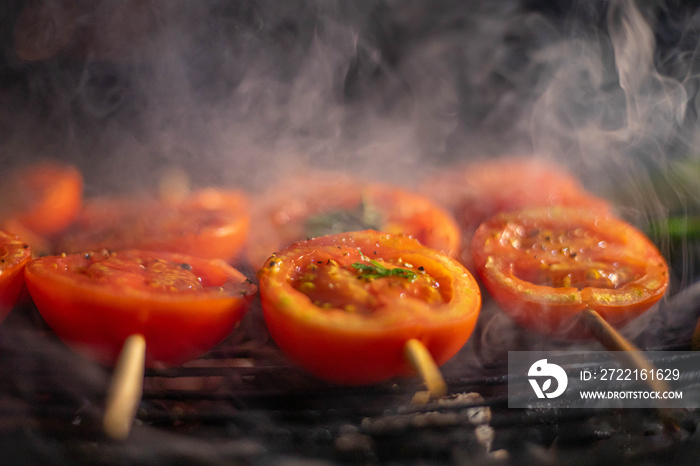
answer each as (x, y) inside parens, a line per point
(126, 389)
(623, 350)
(422, 361)
(629, 356)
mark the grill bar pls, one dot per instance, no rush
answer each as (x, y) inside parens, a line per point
(245, 402)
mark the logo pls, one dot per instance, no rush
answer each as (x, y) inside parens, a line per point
(543, 370)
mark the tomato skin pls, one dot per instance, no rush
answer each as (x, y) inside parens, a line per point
(14, 256)
(357, 349)
(280, 214)
(414, 215)
(209, 223)
(478, 190)
(616, 270)
(44, 198)
(95, 314)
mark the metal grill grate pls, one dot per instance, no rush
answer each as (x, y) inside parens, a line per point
(244, 403)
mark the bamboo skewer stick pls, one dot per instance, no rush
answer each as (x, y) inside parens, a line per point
(629, 356)
(126, 389)
(623, 350)
(423, 363)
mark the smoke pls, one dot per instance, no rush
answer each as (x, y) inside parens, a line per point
(605, 103)
(235, 92)
(238, 93)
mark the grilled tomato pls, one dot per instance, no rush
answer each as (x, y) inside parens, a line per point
(545, 265)
(481, 189)
(321, 203)
(343, 306)
(14, 255)
(182, 305)
(209, 223)
(43, 198)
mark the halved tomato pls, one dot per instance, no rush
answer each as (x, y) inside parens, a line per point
(343, 306)
(14, 255)
(478, 190)
(182, 305)
(323, 203)
(210, 223)
(544, 266)
(43, 198)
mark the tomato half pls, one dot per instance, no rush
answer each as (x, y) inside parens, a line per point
(181, 304)
(14, 255)
(476, 191)
(545, 265)
(210, 223)
(328, 203)
(44, 197)
(343, 306)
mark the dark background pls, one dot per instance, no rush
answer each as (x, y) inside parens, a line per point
(240, 93)
(236, 92)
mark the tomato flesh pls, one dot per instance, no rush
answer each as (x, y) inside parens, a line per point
(327, 203)
(332, 285)
(350, 326)
(181, 304)
(14, 256)
(543, 266)
(479, 190)
(210, 223)
(43, 198)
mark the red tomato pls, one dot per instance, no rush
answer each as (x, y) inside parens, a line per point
(14, 255)
(543, 266)
(328, 203)
(479, 190)
(210, 223)
(343, 306)
(182, 305)
(43, 198)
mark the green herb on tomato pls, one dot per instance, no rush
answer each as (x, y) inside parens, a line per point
(375, 270)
